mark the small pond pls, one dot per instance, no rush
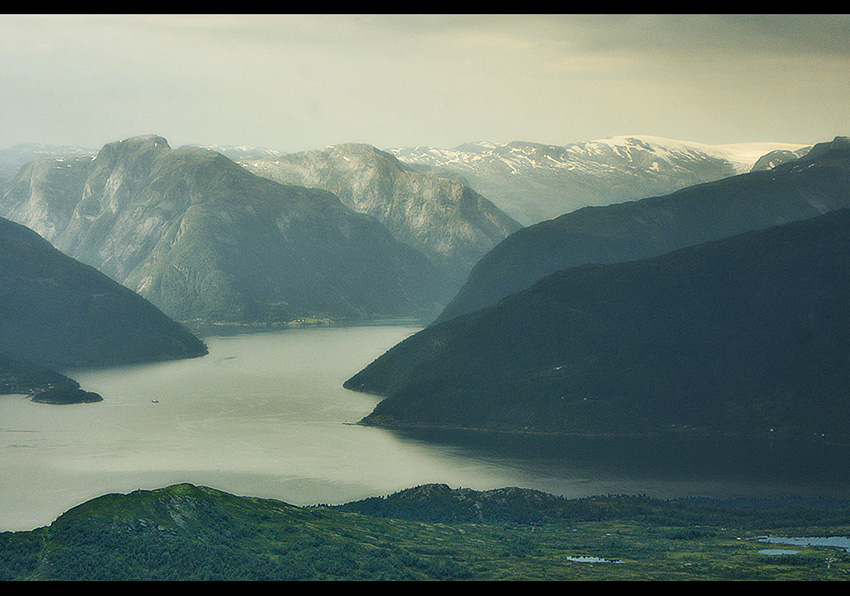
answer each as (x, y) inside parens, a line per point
(842, 542)
(592, 560)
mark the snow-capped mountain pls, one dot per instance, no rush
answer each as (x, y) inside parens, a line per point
(239, 152)
(533, 182)
(12, 158)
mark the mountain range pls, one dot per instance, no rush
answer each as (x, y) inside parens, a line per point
(533, 182)
(350, 232)
(17, 156)
(741, 336)
(442, 218)
(703, 292)
(811, 185)
(106, 211)
(207, 241)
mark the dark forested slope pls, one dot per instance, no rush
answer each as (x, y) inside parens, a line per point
(796, 190)
(746, 335)
(57, 312)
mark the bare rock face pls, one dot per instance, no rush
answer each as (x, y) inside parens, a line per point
(443, 218)
(207, 241)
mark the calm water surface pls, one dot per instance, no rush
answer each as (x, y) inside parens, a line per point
(842, 542)
(265, 415)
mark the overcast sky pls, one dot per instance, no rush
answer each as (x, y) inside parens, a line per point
(294, 82)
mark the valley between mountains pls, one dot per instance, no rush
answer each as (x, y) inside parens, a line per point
(624, 318)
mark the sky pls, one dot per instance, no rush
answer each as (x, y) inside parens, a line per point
(294, 82)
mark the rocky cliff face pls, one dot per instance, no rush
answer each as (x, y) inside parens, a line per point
(45, 192)
(443, 218)
(206, 240)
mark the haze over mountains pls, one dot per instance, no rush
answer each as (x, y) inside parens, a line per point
(444, 219)
(353, 233)
(533, 182)
(13, 158)
(795, 190)
(720, 308)
(529, 181)
(190, 229)
(206, 240)
(716, 310)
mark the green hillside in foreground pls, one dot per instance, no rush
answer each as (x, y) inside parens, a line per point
(432, 532)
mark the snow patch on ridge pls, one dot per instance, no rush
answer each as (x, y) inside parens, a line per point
(588, 155)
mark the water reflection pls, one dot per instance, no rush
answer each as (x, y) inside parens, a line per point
(841, 542)
(660, 467)
(263, 414)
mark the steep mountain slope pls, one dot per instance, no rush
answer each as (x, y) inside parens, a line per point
(57, 312)
(206, 240)
(444, 219)
(746, 335)
(810, 186)
(533, 182)
(45, 192)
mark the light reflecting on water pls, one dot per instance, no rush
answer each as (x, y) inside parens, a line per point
(664, 467)
(265, 415)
